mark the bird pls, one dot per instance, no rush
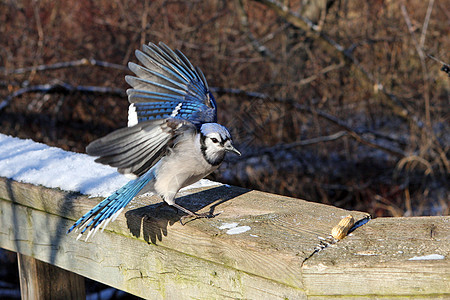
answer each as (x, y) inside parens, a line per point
(172, 138)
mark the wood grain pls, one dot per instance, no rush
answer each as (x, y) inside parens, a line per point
(380, 259)
(146, 270)
(41, 281)
(147, 252)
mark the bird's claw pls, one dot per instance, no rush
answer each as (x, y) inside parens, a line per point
(194, 216)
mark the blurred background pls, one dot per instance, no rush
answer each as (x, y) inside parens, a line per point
(339, 102)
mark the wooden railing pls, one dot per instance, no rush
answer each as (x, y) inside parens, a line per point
(259, 246)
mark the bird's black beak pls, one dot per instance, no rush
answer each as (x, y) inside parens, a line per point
(230, 148)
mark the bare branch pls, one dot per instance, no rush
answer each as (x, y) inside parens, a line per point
(425, 23)
(321, 72)
(280, 147)
(285, 100)
(352, 132)
(391, 100)
(67, 64)
(220, 90)
(411, 31)
(39, 28)
(445, 67)
(303, 108)
(62, 88)
(301, 22)
(261, 49)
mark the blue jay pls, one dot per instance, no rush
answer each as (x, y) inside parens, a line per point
(172, 139)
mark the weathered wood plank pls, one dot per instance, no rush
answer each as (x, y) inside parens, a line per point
(40, 281)
(283, 231)
(147, 270)
(147, 252)
(387, 256)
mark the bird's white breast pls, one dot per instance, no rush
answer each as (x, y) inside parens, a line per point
(182, 167)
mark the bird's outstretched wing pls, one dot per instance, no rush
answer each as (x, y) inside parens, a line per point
(169, 96)
(134, 150)
(167, 85)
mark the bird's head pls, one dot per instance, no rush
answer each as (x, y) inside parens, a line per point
(215, 142)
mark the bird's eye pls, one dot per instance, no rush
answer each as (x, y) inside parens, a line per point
(214, 140)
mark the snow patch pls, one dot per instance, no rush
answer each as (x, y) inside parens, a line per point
(428, 257)
(39, 164)
(233, 228)
(238, 230)
(228, 225)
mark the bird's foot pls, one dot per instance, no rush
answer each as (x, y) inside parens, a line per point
(189, 217)
(192, 215)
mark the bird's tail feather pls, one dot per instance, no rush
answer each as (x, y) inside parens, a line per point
(110, 208)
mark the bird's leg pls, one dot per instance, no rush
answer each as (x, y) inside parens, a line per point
(191, 214)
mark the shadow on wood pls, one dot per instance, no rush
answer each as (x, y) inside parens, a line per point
(41, 199)
(151, 221)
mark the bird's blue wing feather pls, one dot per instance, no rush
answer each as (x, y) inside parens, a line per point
(168, 85)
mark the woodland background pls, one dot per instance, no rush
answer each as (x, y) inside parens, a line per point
(340, 102)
